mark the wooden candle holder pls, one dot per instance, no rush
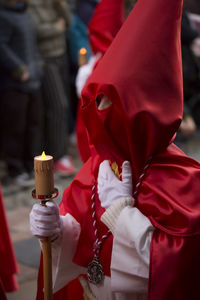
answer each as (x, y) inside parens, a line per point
(45, 191)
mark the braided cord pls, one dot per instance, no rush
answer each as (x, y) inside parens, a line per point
(99, 241)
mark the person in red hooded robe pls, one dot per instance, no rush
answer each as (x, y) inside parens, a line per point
(103, 27)
(130, 220)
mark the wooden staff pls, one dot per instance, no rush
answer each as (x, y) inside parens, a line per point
(47, 268)
(45, 191)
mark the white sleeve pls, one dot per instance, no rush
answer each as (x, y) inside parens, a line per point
(84, 72)
(63, 250)
(131, 251)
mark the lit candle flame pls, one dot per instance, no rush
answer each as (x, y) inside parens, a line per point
(83, 51)
(43, 156)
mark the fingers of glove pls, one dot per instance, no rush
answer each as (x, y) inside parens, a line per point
(51, 226)
(45, 225)
(104, 186)
(126, 172)
(42, 210)
(51, 208)
(52, 205)
(41, 230)
(105, 172)
(102, 172)
(44, 219)
(47, 234)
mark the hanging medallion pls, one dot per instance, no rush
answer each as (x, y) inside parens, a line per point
(95, 272)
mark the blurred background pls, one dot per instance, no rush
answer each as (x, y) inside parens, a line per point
(40, 84)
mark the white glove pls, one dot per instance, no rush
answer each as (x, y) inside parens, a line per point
(109, 187)
(45, 221)
(84, 72)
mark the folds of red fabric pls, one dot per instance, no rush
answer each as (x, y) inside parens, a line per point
(8, 265)
(82, 137)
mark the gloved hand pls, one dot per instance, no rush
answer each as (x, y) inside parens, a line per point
(45, 221)
(109, 187)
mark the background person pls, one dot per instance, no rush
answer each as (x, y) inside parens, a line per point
(20, 100)
(52, 18)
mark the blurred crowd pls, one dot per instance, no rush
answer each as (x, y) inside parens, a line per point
(38, 65)
(39, 45)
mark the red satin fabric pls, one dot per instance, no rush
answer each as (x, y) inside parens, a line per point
(8, 265)
(169, 194)
(82, 137)
(105, 23)
(174, 269)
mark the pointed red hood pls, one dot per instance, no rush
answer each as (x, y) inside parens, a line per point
(105, 23)
(141, 73)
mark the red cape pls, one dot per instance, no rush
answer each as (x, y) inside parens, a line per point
(8, 265)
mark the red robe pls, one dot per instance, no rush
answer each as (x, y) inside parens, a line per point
(8, 265)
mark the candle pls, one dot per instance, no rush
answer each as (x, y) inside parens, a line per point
(82, 57)
(44, 180)
(45, 191)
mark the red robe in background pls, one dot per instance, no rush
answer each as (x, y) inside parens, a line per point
(8, 264)
(104, 25)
